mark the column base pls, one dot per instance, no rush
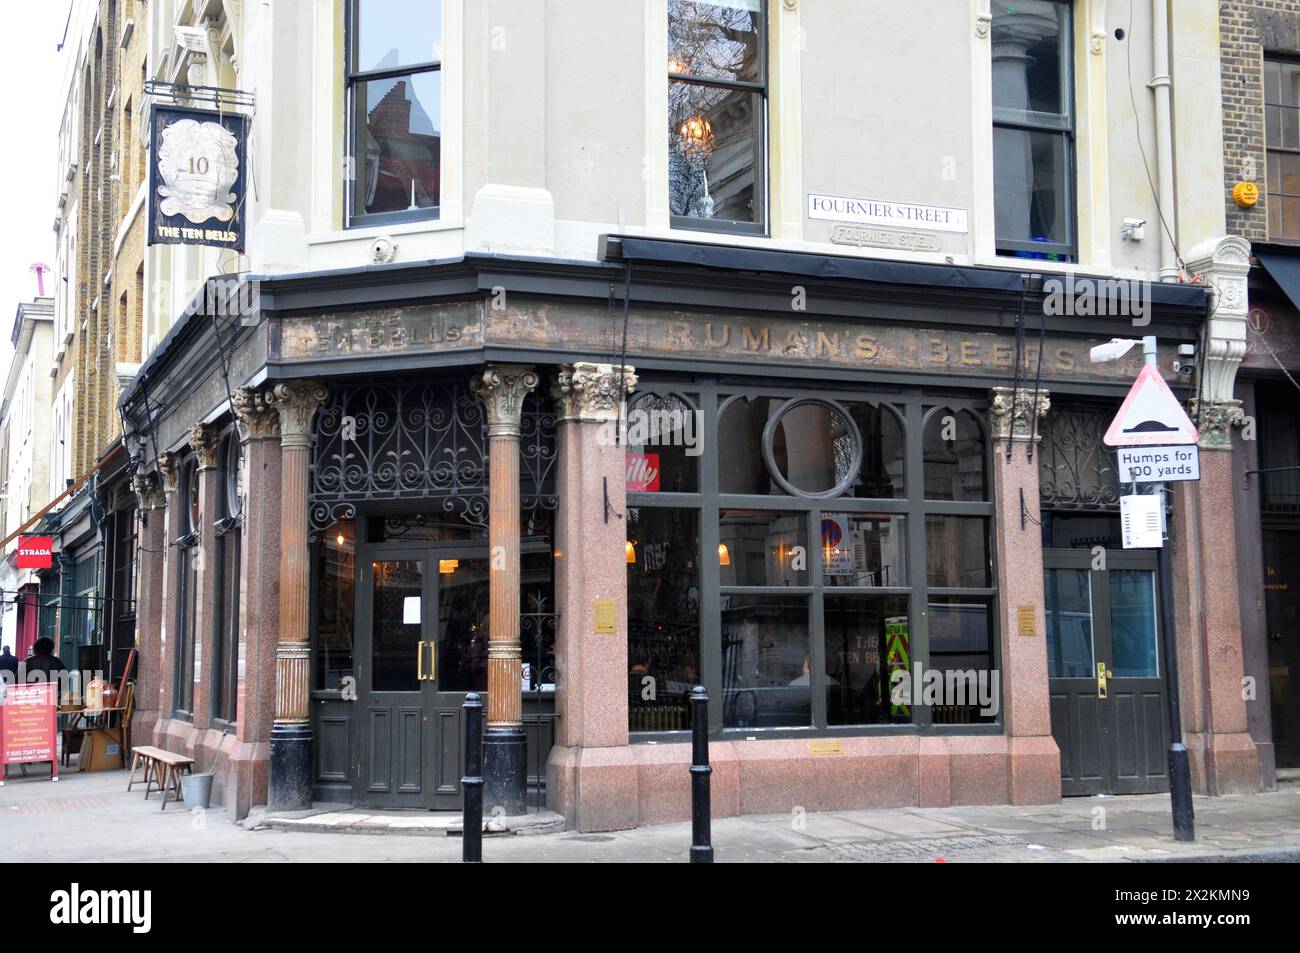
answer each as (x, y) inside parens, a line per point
(505, 754)
(291, 757)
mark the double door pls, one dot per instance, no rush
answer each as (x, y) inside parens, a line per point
(1105, 672)
(421, 647)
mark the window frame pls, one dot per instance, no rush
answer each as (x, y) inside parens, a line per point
(1270, 149)
(351, 78)
(186, 544)
(228, 542)
(711, 395)
(760, 227)
(1063, 125)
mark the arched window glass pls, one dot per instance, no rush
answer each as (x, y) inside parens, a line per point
(955, 465)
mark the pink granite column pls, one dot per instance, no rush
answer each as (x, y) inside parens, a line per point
(149, 605)
(206, 443)
(290, 782)
(172, 520)
(591, 780)
(1034, 761)
(1208, 616)
(259, 610)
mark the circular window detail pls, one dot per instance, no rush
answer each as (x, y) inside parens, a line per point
(812, 448)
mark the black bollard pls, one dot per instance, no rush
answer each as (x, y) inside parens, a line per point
(472, 783)
(701, 817)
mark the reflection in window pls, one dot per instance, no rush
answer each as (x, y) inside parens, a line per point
(1133, 623)
(1068, 594)
(335, 605)
(766, 666)
(188, 662)
(762, 548)
(957, 552)
(961, 646)
(1282, 137)
(397, 610)
(663, 617)
(462, 624)
(741, 468)
(866, 646)
(395, 97)
(814, 447)
(717, 110)
(1033, 129)
(881, 475)
(664, 443)
(954, 457)
(860, 550)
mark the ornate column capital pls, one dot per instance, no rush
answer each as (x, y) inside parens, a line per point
(587, 391)
(1013, 419)
(502, 388)
(167, 469)
(258, 420)
(1215, 420)
(205, 441)
(148, 490)
(297, 403)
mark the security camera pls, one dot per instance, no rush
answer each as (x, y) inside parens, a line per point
(1112, 350)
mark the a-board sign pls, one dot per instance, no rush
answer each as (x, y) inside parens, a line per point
(29, 725)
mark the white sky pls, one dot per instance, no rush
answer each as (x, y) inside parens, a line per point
(31, 71)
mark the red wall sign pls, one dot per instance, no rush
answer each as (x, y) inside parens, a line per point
(35, 552)
(29, 725)
(642, 472)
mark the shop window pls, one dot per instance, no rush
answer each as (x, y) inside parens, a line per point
(663, 616)
(186, 543)
(717, 114)
(804, 578)
(335, 605)
(809, 447)
(766, 662)
(227, 660)
(955, 464)
(664, 433)
(1282, 140)
(763, 548)
(394, 95)
(1033, 129)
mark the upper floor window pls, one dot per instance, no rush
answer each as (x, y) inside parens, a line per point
(717, 114)
(1033, 129)
(1282, 139)
(394, 96)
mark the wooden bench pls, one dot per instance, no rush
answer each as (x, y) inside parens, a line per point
(173, 767)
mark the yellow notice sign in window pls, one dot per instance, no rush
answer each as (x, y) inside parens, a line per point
(1025, 623)
(606, 617)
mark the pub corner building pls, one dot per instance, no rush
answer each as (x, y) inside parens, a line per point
(398, 484)
(454, 430)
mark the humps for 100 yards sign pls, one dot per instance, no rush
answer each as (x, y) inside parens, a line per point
(198, 177)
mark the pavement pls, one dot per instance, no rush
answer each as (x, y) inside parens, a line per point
(91, 817)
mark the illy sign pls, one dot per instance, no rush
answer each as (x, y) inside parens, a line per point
(35, 552)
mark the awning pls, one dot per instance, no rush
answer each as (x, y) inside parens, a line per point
(878, 270)
(1285, 270)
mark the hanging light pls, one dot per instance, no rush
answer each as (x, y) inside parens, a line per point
(724, 555)
(629, 550)
(448, 566)
(339, 539)
(697, 135)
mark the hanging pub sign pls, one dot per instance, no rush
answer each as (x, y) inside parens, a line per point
(35, 552)
(198, 177)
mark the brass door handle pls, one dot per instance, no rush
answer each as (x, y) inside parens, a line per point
(433, 661)
(419, 661)
(1103, 676)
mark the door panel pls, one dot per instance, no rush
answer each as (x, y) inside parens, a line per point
(396, 603)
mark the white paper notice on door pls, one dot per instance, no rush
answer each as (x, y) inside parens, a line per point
(1139, 518)
(411, 610)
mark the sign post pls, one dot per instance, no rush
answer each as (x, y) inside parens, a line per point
(29, 726)
(1151, 418)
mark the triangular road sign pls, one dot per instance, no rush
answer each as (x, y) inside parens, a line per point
(1151, 415)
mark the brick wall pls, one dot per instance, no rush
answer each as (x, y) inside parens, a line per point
(1247, 30)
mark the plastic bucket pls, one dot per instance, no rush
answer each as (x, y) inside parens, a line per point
(196, 789)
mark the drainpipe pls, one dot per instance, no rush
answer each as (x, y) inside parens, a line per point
(1161, 85)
